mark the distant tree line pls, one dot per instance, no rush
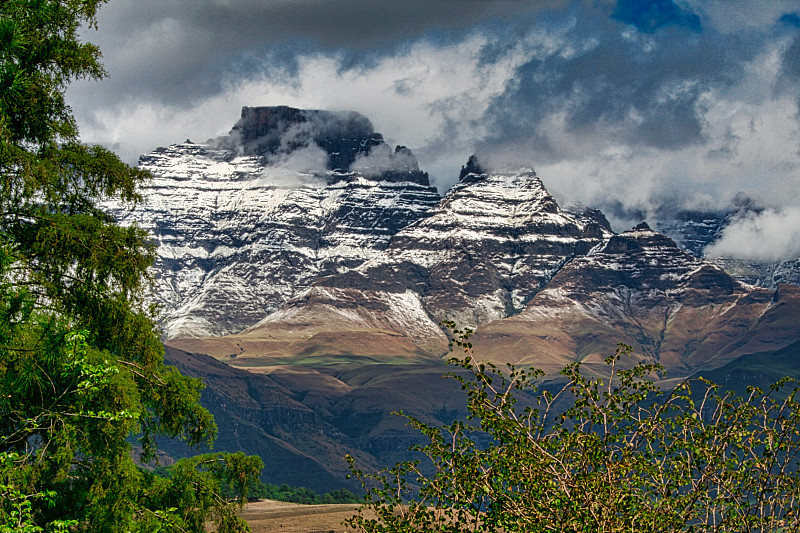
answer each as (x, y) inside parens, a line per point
(256, 489)
(287, 493)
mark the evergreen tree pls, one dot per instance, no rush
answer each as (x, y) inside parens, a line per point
(81, 364)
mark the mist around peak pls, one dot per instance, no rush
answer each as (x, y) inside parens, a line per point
(305, 166)
(508, 160)
(313, 147)
(771, 234)
(382, 158)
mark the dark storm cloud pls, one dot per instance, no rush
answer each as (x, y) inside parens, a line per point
(181, 50)
(650, 83)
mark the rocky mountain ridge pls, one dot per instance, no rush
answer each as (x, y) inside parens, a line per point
(253, 237)
(238, 235)
(640, 289)
(480, 255)
(316, 262)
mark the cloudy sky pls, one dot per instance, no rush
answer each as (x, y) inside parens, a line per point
(621, 104)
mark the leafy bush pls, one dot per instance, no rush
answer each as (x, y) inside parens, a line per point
(620, 455)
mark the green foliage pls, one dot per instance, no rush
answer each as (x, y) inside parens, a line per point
(81, 363)
(286, 493)
(191, 494)
(590, 455)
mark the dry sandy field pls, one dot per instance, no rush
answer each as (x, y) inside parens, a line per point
(268, 516)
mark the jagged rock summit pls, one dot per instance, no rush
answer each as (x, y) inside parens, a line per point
(245, 222)
(347, 139)
(265, 131)
(302, 234)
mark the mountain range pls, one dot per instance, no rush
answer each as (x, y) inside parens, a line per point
(304, 267)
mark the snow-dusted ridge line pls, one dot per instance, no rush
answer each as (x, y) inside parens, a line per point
(233, 246)
(241, 234)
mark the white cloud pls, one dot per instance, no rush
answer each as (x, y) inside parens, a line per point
(307, 159)
(137, 128)
(437, 99)
(751, 141)
(382, 158)
(731, 16)
(751, 149)
(771, 235)
(440, 85)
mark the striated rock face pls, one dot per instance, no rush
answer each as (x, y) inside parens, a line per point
(481, 254)
(766, 274)
(542, 285)
(238, 234)
(302, 234)
(642, 290)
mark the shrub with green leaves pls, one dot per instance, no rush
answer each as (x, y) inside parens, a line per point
(612, 454)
